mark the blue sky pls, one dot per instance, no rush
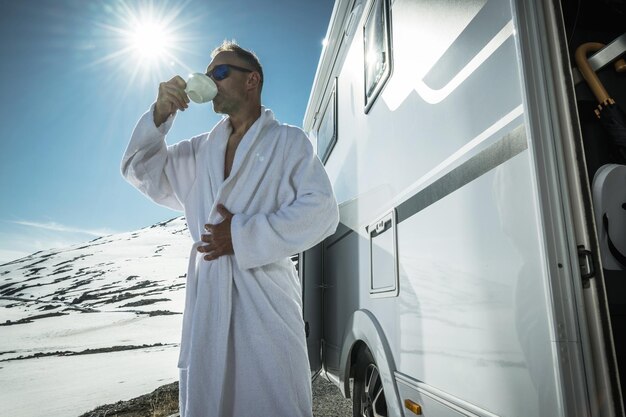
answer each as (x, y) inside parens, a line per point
(74, 84)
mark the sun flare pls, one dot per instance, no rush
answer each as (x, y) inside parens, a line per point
(151, 40)
(147, 40)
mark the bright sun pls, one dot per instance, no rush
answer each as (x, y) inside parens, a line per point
(146, 40)
(151, 40)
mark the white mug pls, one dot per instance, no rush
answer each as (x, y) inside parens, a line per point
(200, 88)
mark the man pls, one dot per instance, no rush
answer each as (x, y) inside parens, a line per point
(253, 193)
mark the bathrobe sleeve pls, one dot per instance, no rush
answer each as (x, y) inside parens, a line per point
(163, 173)
(261, 239)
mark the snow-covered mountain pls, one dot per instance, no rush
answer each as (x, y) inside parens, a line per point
(92, 323)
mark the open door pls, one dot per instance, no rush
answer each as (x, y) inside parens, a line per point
(568, 148)
(591, 42)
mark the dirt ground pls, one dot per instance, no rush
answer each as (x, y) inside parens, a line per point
(163, 402)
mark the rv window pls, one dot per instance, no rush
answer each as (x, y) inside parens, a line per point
(377, 53)
(327, 129)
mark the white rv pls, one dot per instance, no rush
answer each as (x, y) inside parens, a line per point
(466, 276)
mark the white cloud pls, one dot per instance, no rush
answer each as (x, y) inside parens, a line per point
(7, 255)
(18, 245)
(56, 227)
(26, 237)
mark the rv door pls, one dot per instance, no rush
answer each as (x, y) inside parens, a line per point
(311, 271)
(579, 298)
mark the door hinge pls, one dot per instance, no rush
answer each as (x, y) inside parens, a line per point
(585, 261)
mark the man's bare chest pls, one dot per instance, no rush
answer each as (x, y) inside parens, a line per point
(229, 157)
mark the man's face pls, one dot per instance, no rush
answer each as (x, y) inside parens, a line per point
(232, 91)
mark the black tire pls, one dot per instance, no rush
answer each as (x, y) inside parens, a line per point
(368, 396)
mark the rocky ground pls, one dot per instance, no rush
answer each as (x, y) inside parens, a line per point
(163, 402)
(328, 401)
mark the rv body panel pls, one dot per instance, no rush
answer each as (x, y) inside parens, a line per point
(469, 298)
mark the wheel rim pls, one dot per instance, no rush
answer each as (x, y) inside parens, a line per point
(373, 402)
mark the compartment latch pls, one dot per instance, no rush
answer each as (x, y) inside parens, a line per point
(585, 261)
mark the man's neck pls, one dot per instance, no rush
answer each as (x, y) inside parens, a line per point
(241, 121)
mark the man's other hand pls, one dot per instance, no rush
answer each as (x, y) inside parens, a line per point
(218, 241)
(172, 97)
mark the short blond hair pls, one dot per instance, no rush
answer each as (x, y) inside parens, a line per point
(248, 57)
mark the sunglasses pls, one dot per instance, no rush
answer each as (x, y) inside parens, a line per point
(222, 71)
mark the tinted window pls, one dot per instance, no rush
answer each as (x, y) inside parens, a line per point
(327, 130)
(377, 52)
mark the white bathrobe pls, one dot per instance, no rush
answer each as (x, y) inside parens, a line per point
(243, 349)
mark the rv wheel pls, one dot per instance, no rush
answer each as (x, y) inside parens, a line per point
(368, 397)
